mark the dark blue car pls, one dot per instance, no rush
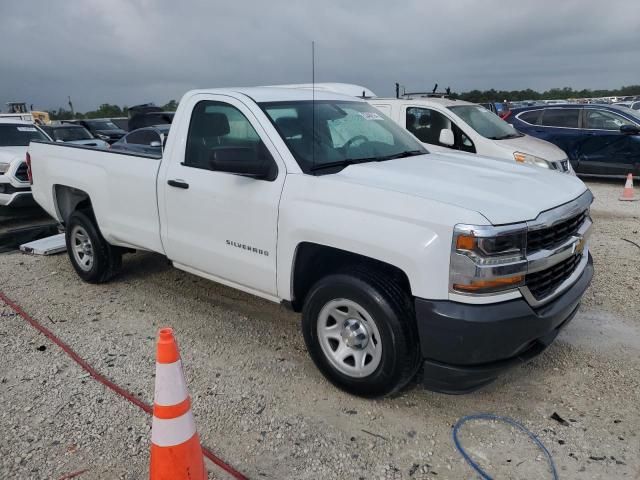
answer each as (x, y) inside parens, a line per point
(598, 139)
(144, 140)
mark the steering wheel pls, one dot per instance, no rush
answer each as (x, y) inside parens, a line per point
(354, 139)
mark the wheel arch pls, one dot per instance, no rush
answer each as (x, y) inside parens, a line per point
(69, 199)
(313, 261)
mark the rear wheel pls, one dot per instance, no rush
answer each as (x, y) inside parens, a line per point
(95, 260)
(360, 332)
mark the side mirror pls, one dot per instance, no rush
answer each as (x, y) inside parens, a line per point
(241, 161)
(446, 137)
(629, 130)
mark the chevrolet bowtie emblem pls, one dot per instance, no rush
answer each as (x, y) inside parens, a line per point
(578, 247)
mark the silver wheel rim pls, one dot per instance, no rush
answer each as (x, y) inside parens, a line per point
(81, 248)
(349, 338)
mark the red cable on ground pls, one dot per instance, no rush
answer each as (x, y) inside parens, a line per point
(68, 476)
(105, 381)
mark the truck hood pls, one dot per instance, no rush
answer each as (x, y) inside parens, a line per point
(533, 146)
(502, 192)
(9, 154)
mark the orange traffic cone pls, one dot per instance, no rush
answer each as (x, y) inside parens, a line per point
(627, 193)
(175, 447)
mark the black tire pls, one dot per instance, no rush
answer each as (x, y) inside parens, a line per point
(106, 259)
(392, 311)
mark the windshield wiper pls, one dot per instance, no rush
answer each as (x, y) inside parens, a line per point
(406, 153)
(339, 163)
(353, 161)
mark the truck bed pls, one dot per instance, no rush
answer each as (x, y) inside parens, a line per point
(122, 187)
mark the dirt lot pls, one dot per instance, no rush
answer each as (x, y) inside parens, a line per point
(260, 403)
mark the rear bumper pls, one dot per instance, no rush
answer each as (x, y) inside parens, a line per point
(466, 346)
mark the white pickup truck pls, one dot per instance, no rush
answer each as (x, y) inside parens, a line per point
(397, 258)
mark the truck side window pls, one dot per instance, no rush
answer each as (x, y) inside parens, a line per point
(426, 124)
(219, 129)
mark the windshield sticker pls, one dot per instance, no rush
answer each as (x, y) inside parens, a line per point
(370, 116)
(27, 129)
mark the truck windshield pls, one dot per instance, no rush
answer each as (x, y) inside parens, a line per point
(69, 134)
(19, 135)
(486, 123)
(343, 133)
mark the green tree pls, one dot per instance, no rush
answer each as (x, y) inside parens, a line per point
(106, 110)
(170, 106)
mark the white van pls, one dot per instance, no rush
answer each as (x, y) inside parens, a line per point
(443, 124)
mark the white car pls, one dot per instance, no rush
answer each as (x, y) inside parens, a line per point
(443, 125)
(15, 135)
(633, 105)
(398, 258)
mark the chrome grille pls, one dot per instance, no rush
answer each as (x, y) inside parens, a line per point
(549, 237)
(545, 282)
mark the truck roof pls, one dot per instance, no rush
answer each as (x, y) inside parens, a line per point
(277, 94)
(349, 89)
(444, 102)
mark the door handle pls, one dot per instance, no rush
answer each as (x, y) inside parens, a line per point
(178, 184)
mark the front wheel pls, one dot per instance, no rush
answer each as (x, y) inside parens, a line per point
(93, 258)
(359, 329)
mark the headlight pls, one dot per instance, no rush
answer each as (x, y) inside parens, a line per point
(531, 160)
(487, 259)
(4, 167)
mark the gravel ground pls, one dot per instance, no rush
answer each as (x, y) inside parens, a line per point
(260, 403)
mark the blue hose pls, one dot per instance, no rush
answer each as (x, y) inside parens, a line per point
(488, 416)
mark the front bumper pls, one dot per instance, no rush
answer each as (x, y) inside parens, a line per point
(11, 196)
(466, 346)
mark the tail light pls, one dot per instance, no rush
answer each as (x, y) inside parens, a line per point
(505, 115)
(29, 172)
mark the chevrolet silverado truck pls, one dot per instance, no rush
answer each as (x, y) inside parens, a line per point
(400, 260)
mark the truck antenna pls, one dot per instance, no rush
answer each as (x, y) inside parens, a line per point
(313, 103)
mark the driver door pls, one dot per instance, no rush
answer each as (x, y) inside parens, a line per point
(219, 224)
(604, 149)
